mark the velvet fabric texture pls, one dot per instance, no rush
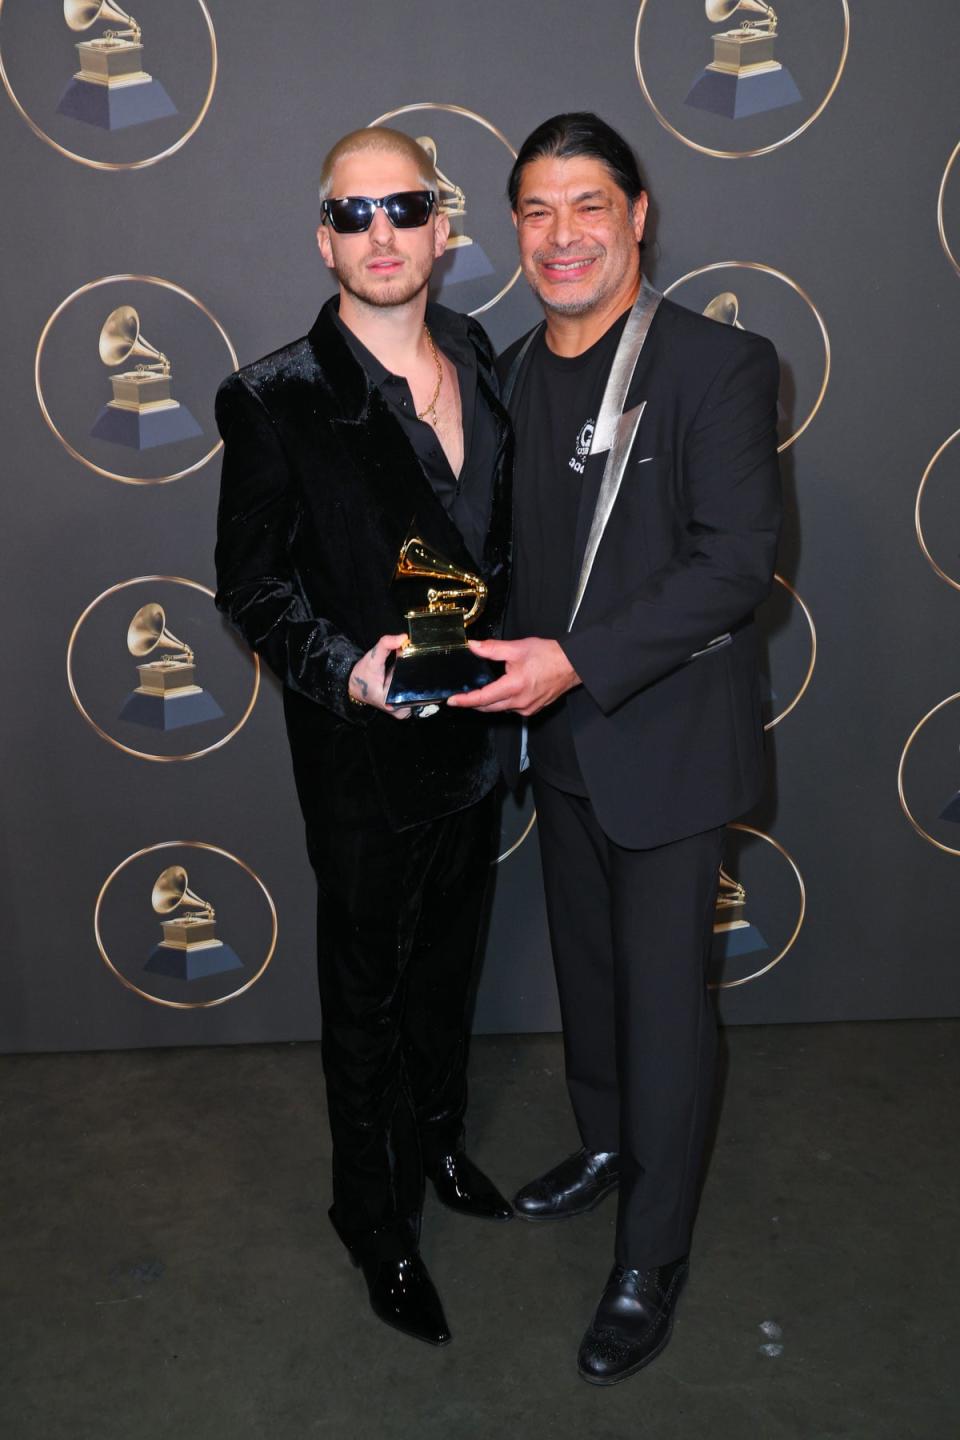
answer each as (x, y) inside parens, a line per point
(320, 488)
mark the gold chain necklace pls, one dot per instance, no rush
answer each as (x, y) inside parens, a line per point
(431, 409)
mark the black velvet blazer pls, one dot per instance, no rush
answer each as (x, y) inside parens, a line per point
(320, 487)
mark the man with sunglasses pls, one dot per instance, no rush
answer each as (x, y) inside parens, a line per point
(382, 420)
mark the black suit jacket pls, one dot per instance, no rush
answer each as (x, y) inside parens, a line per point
(320, 487)
(667, 722)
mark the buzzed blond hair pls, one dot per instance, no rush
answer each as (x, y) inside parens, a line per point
(378, 137)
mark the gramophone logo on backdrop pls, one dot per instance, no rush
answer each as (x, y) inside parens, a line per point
(168, 918)
(149, 419)
(760, 908)
(743, 78)
(472, 159)
(142, 412)
(111, 89)
(134, 670)
(765, 76)
(928, 776)
(749, 295)
(91, 79)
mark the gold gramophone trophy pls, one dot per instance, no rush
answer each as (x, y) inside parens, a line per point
(167, 696)
(436, 662)
(189, 949)
(111, 89)
(725, 309)
(743, 78)
(142, 413)
(463, 258)
(736, 935)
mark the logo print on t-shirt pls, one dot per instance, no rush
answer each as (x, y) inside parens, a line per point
(582, 446)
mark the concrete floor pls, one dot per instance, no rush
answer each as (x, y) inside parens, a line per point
(169, 1271)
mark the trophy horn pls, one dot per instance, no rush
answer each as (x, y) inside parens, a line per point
(170, 891)
(724, 308)
(120, 338)
(148, 631)
(81, 14)
(420, 561)
(719, 10)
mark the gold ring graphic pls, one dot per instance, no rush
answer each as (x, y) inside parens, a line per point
(44, 333)
(745, 979)
(479, 120)
(517, 843)
(941, 227)
(916, 513)
(124, 164)
(777, 275)
(104, 734)
(184, 1004)
(813, 655)
(901, 791)
(761, 149)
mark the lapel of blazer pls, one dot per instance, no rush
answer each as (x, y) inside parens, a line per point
(615, 431)
(381, 456)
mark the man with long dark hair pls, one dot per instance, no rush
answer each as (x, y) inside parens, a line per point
(647, 512)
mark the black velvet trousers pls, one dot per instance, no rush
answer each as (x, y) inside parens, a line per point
(631, 933)
(398, 919)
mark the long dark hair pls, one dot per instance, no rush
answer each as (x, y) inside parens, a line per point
(579, 132)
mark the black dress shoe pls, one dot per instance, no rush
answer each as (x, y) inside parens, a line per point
(403, 1295)
(573, 1187)
(633, 1322)
(462, 1186)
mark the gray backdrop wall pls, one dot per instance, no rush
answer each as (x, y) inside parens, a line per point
(839, 260)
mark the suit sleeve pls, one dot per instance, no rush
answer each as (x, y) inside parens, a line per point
(257, 586)
(723, 567)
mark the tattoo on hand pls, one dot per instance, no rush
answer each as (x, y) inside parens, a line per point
(362, 687)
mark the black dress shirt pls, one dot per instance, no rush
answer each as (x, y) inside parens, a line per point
(465, 497)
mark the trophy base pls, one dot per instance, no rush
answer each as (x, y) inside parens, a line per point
(170, 712)
(195, 963)
(738, 940)
(425, 676)
(115, 107)
(736, 96)
(143, 429)
(951, 811)
(460, 263)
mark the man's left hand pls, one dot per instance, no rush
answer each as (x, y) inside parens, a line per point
(538, 672)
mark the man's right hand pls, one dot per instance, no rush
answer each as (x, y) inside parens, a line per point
(369, 683)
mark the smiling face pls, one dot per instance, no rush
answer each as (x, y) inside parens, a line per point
(578, 233)
(381, 266)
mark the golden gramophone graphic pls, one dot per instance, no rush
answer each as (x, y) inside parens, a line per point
(436, 661)
(743, 78)
(458, 263)
(167, 696)
(732, 931)
(190, 949)
(111, 89)
(724, 308)
(143, 412)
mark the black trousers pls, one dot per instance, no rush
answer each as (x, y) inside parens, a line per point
(631, 932)
(398, 919)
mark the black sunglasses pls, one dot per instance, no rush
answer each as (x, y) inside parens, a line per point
(352, 214)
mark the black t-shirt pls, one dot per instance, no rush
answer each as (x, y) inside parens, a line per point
(555, 411)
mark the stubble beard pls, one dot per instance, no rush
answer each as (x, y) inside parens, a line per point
(384, 295)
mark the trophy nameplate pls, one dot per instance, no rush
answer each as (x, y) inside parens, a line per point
(436, 661)
(111, 62)
(167, 677)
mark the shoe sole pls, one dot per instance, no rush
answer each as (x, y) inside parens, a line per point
(647, 1359)
(411, 1335)
(568, 1214)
